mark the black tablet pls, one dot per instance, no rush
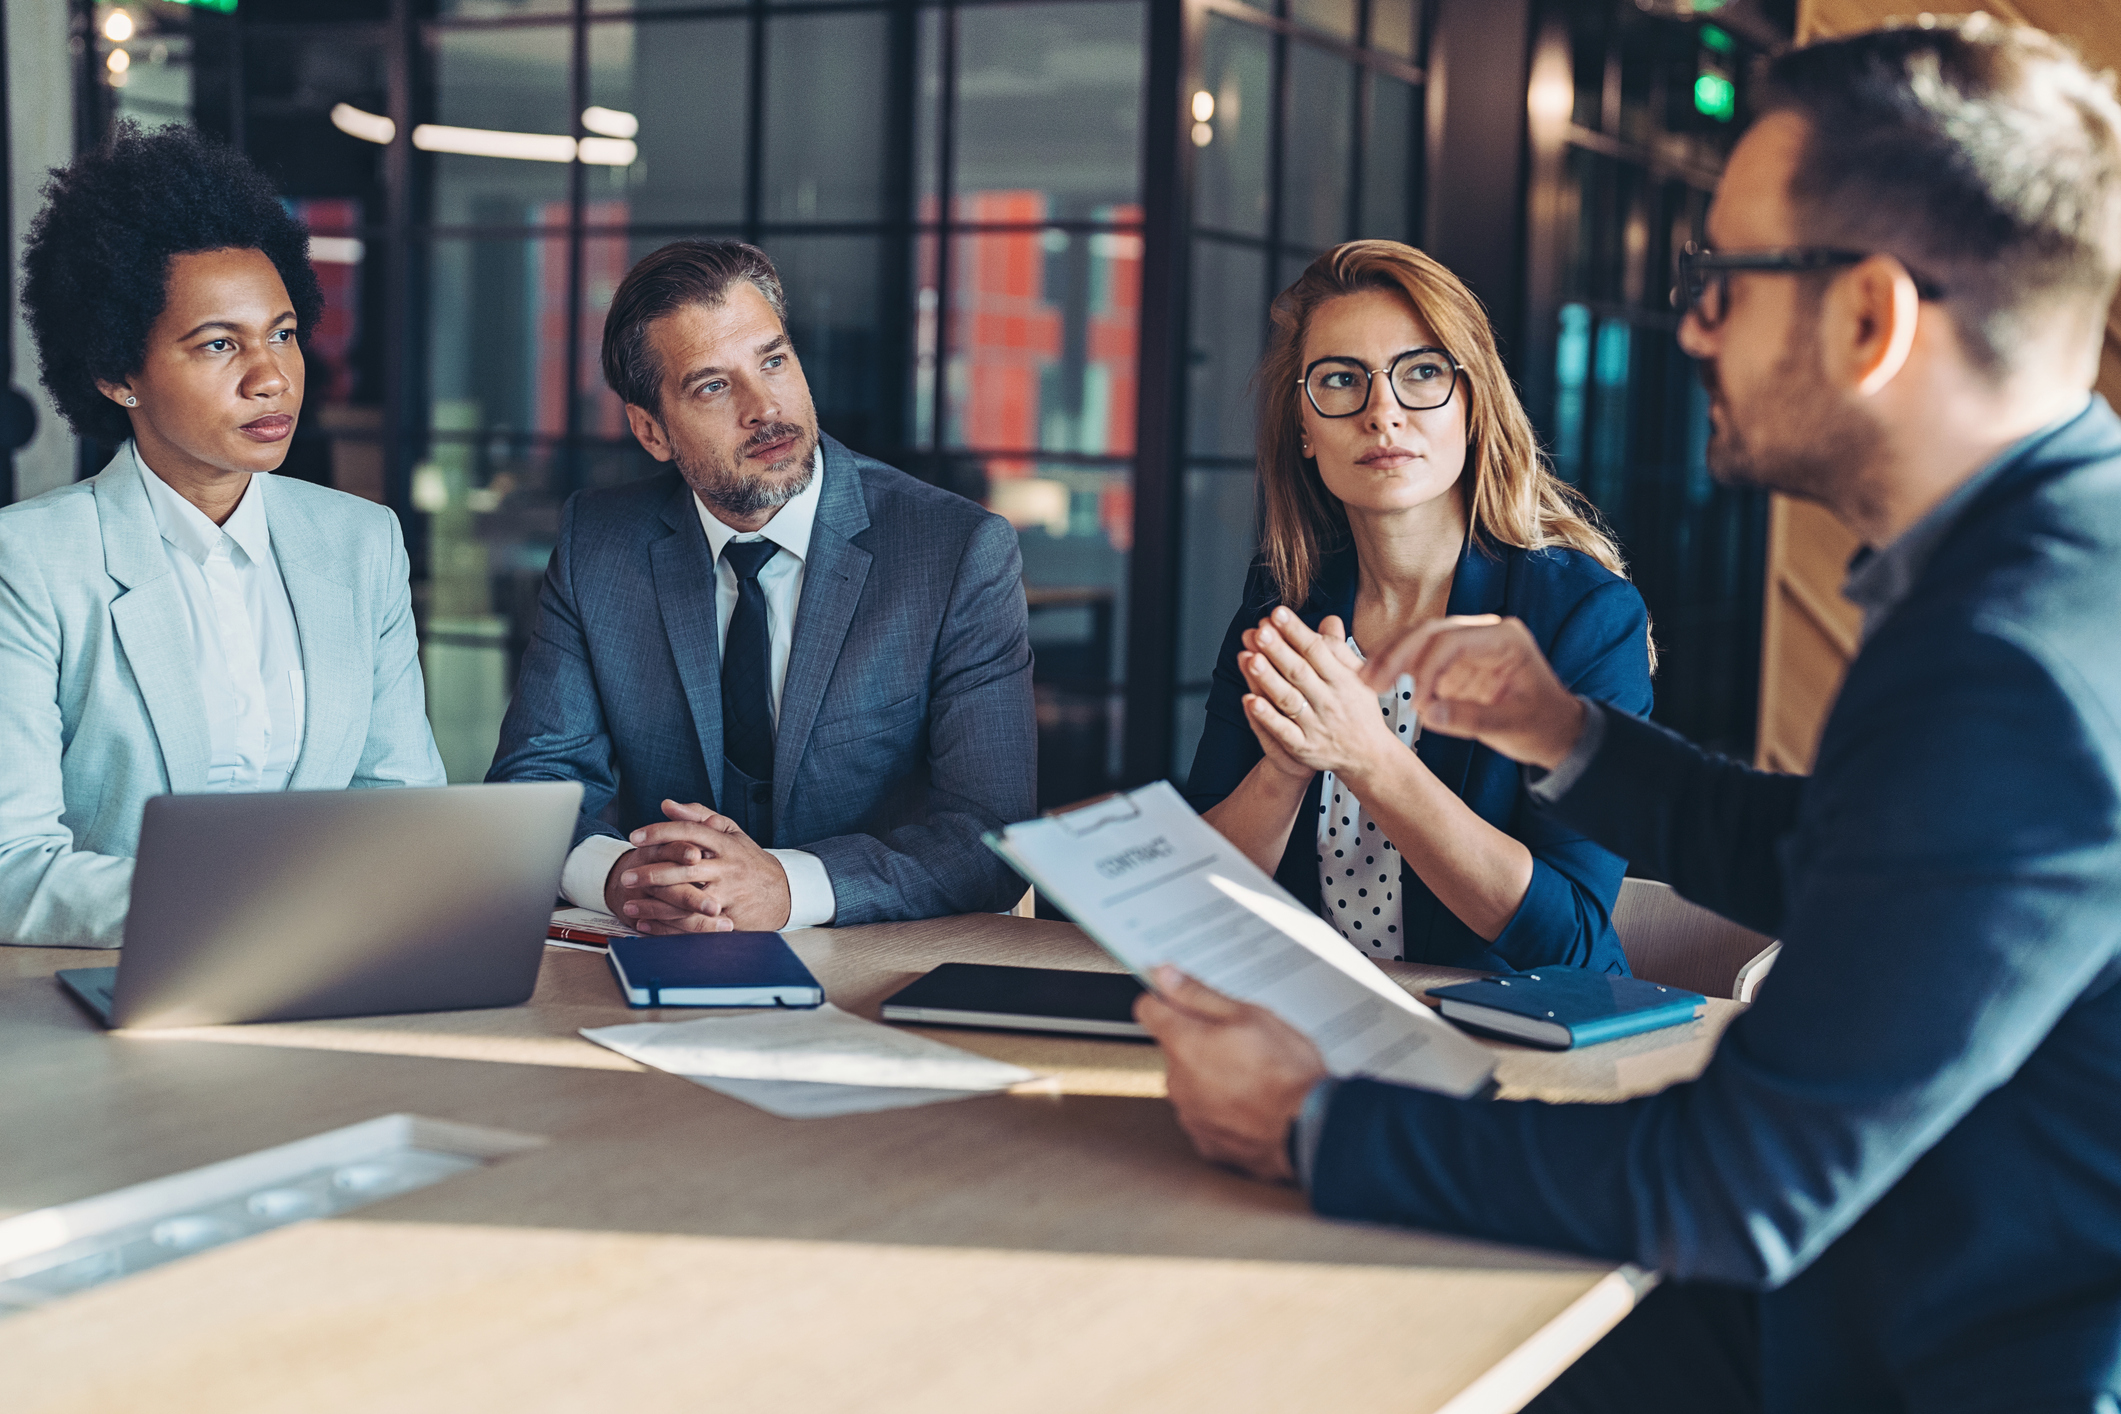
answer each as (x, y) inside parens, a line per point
(1021, 999)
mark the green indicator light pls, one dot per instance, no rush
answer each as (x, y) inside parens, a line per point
(1716, 97)
(1717, 39)
(222, 7)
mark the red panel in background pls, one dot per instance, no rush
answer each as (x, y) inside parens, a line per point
(1114, 336)
(1004, 332)
(328, 348)
(603, 266)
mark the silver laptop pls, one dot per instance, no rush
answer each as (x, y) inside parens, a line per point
(299, 904)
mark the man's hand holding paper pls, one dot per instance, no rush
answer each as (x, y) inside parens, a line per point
(1237, 1074)
(1154, 884)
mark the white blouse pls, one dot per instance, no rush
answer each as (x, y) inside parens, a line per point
(1358, 869)
(243, 633)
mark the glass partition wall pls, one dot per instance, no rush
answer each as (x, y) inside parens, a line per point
(962, 199)
(1633, 114)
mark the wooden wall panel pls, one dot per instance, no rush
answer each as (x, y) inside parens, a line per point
(1808, 631)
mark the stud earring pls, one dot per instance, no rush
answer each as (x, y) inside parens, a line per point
(132, 402)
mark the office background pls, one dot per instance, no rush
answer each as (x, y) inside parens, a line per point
(1028, 245)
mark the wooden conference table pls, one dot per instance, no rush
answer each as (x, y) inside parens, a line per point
(1057, 1248)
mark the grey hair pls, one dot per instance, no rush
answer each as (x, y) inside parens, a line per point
(681, 273)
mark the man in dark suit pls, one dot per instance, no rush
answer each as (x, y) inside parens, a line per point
(797, 679)
(1911, 1144)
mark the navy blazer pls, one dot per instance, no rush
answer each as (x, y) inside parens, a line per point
(906, 728)
(1594, 629)
(1913, 1138)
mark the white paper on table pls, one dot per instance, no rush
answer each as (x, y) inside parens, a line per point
(806, 1099)
(592, 920)
(1154, 883)
(771, 1058)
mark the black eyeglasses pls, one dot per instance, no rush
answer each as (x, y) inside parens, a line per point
(1704, 276)
(1421, 379)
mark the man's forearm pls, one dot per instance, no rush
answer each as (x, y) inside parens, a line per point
(1549, 786)
(1705, 824)
(930, 870)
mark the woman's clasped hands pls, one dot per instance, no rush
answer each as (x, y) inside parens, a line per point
(1308, 704)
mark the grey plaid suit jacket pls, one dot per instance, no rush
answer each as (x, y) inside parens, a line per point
(906, 726)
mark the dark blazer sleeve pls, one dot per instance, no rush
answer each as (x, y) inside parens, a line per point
(1228, 750)
(555, 728)
(1955, 897)
(982, 758)
(1601, 650)
(1703, 823)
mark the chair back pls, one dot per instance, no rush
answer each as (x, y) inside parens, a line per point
(1682, 944)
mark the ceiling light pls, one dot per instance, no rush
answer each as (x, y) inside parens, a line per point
(610, 122)
(608, 151)
(369, 127)
(336, 250)
(1202, 134)
(119, 61)
(489, 142)
(1203, 106)
(118, 27)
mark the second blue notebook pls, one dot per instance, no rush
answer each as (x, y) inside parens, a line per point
(713, 969)
(1561, 1007)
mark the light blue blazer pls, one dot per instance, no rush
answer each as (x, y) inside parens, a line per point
(100, 706)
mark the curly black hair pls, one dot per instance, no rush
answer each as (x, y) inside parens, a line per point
(96, 266)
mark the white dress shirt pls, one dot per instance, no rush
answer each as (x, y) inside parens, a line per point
(243, 634)
(811, 901)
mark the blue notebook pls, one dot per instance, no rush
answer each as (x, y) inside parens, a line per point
(1561, 1007)
(713, 969)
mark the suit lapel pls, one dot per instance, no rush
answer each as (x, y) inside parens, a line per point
(833, 576)
(683, 568)
(152, 625)
(334, 672)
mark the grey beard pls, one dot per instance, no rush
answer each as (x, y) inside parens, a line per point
(726, 490)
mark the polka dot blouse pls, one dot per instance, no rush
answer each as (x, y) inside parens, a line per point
(1358, 870)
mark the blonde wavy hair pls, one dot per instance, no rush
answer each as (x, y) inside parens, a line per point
(1512, 495)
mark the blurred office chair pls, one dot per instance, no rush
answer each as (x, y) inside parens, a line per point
(1682, 944)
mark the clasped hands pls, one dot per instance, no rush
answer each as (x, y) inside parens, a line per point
(1237, 1074)
(696, 872)
(1313, 703)
(1309, 704)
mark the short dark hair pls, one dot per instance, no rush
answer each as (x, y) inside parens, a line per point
(1985, 156)
(96, 265)
(681, 273)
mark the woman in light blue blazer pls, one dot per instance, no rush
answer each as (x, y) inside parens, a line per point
(183, 620)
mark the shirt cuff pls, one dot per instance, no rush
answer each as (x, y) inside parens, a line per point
(1546, 787)
(811, 902)
(588, 866)
(1307, 1129)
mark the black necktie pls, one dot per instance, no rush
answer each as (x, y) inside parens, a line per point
(747, 665)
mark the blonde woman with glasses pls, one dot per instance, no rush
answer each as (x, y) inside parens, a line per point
(1402, 484)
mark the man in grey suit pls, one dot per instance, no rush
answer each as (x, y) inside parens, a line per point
(796, 679)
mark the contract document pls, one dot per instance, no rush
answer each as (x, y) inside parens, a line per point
(1154, 883)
